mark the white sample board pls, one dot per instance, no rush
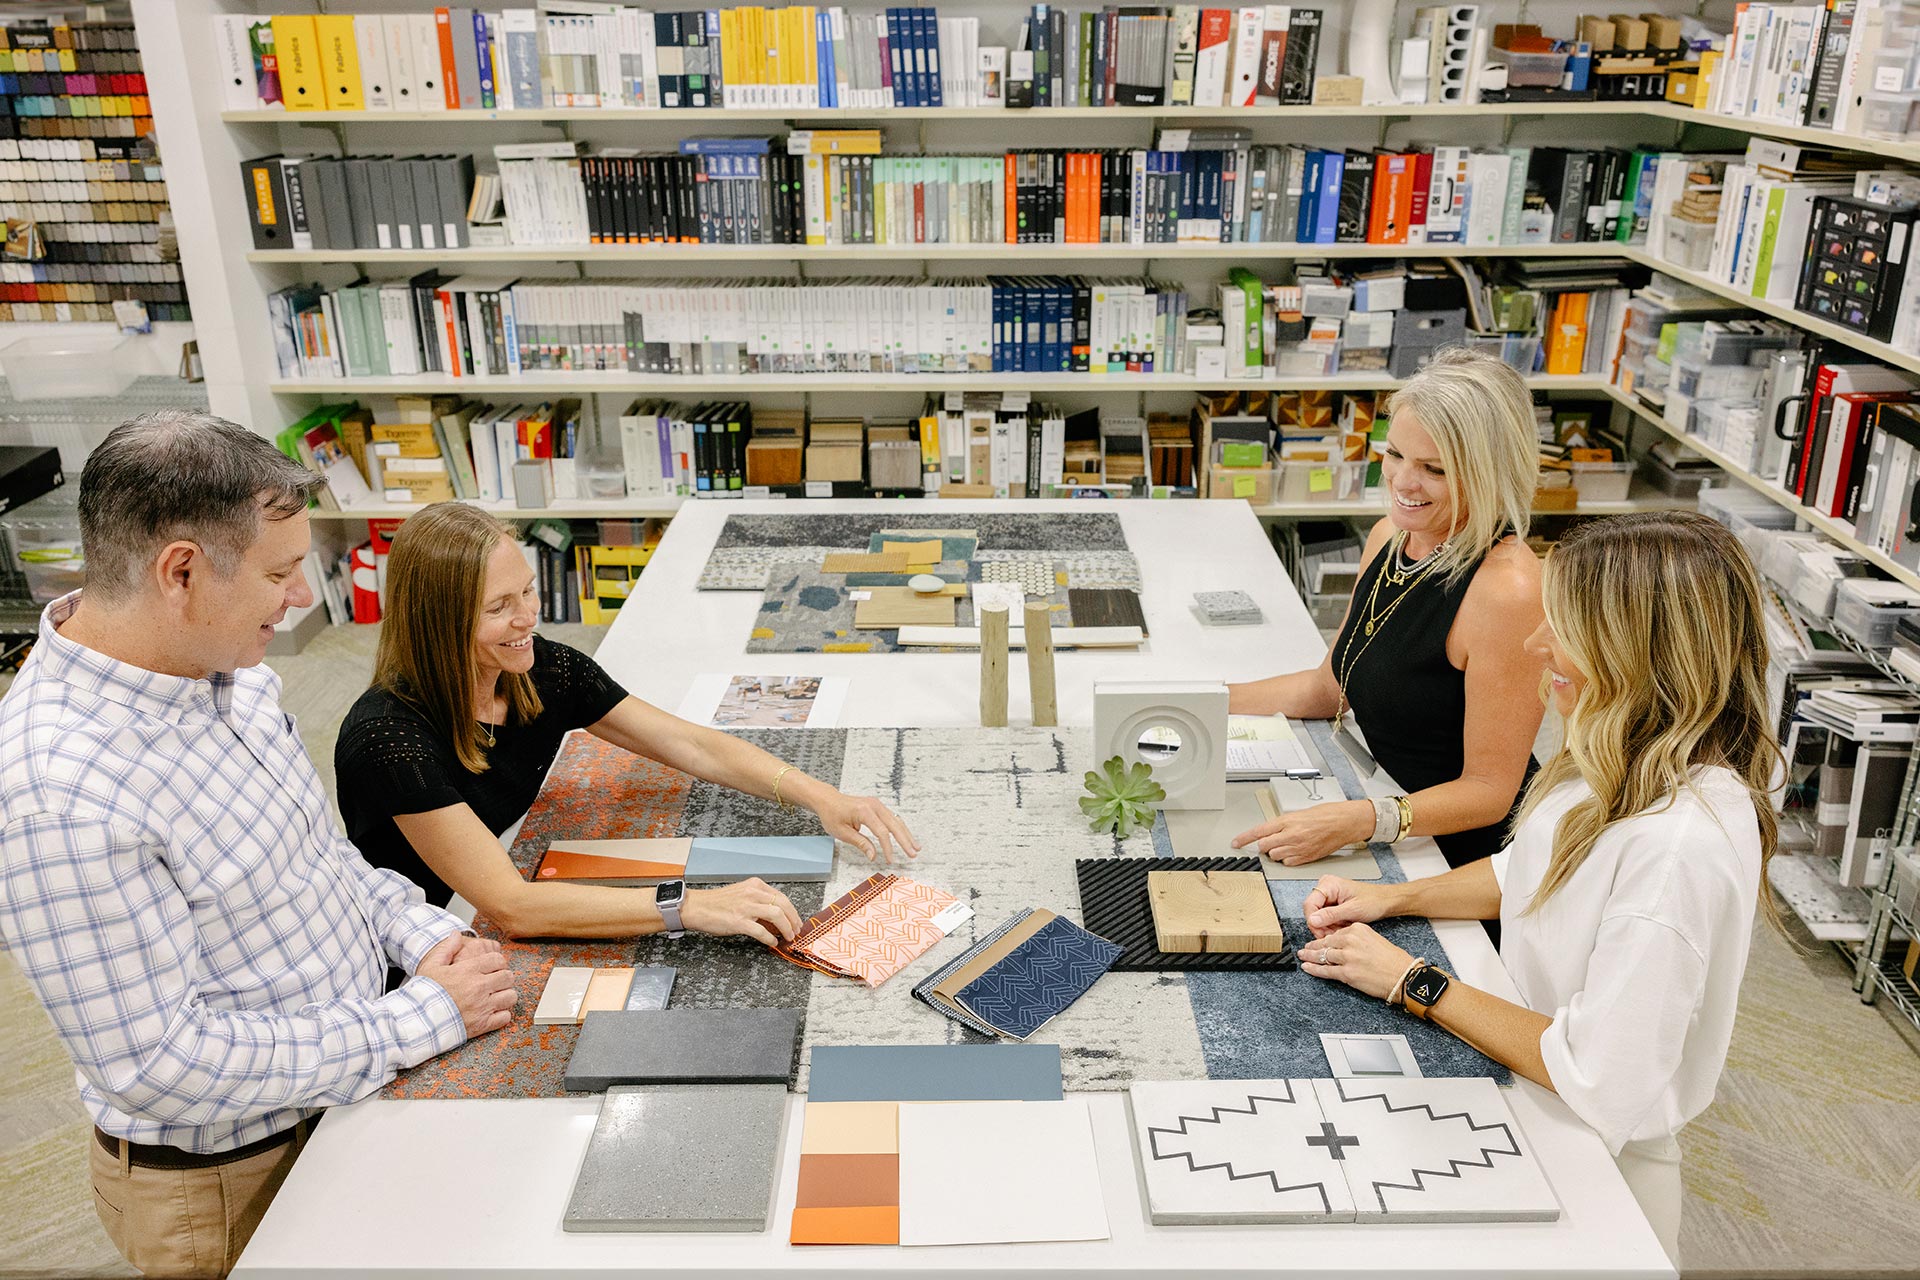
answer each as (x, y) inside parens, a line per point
(1417, 1150)
(998, 1173)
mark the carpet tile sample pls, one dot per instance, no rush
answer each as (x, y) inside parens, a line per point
(1105, 607)
(1018, 789)
(680, 1158)
(1217, 1152)
(1434, 1151)
(1035, 577)
(665, 1046)
(1038, 979)
(849, 1186)
(746, 568)
(1114, 903)
(998, 1173)
(935, 1073)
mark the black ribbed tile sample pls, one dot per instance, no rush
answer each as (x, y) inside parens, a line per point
(1113, 904)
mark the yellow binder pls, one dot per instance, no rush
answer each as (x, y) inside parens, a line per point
(296, 46)
(339, 61)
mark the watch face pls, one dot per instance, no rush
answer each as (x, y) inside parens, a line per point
(1426, 986)
(670, 893)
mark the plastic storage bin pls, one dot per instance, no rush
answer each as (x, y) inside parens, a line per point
(42, 544)
(1869, 611)
(1535, 69)
(1515, 349)
(1603, 481)
(1736, 507)
(1690, 483)
(1313, 480)
(56, 366)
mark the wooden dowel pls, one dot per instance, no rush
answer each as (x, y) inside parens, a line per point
(993, 666)
(1040, 686)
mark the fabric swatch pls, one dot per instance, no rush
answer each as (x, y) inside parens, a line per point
(889, 932)
(1043, 975)
(999, 1173)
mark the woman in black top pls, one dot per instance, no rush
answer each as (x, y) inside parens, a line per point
(467, 709)
(1431, 659)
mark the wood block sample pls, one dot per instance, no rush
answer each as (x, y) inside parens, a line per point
(925, 552)
(887, 607)
(865, 562)
(1218, 911)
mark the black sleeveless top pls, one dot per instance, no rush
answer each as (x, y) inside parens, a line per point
(1409, 699)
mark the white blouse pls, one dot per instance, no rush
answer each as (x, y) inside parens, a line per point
(1638, 957)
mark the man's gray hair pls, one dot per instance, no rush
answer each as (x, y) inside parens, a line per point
(180, 475)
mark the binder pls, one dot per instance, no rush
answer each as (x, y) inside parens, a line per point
(406, 219)
(330, 177)
(296, 47)
(426, 201)
(299, 226)
(267, 203)
(233, 45)
(449, 64)
(380, 187)
(453, 182)
(520, 45)
(396, 30)
(463, 86)
(376, 80)
(340, 62)
(429, 76)
(359, 182)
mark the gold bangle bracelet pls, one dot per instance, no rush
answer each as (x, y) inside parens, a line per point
(783, 771)
(1406, 818)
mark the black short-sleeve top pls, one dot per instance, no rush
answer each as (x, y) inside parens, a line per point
(389, 760)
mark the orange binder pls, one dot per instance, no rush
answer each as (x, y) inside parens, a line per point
(443, 26)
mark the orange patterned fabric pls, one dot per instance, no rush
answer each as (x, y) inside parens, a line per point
(887, 934)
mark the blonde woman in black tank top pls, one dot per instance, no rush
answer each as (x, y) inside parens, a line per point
(1430, 662)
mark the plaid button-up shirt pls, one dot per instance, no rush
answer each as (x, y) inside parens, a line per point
(212, 950)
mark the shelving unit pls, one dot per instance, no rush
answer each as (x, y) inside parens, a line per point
(560, 383)
(706, 254)
(1877, 971)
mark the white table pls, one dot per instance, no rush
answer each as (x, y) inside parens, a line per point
(472, 1187)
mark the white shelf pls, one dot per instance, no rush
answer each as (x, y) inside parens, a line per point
(993, 252)
(582, 509)
(1781, 129)
(777, 115)
(557, 383)
(1833, 529)
(1642, 497)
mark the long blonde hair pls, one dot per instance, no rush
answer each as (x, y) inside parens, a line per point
(1480, 415)
(1662, 612)
(436, 575)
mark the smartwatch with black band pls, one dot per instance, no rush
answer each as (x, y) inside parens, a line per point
(1423, 989)
(668, 896)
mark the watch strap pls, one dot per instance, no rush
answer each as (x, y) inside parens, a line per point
(670, 912)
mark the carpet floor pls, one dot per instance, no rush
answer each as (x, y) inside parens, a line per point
(1807, 1164)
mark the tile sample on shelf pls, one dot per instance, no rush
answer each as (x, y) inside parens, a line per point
(998, 1173)
(1229, 1151)
(1114, 904)
(655, 1046)
(1105, 607)
(934, 1073)
(1215, 911)
(886, 608)
(1039, 978)
(849, 1185)
(1433, 1150)
(864, 562)
(693, 1157)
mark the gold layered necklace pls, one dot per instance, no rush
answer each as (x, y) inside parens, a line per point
(1404, 577)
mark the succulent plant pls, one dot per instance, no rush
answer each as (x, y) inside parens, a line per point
(1120, 797)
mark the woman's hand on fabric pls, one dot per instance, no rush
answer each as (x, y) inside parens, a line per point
(867, 825)
(1336, 902)
(747, 908)
(1358, 956)
(1310, 834)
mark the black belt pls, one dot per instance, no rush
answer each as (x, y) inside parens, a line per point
(148, 1156)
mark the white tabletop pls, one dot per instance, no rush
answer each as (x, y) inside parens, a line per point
(471, 1187)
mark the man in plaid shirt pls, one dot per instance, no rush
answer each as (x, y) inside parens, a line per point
(212, 951)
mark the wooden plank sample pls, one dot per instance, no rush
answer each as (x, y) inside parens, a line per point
(889, 607)
(865, 562)
(927, 552)
(1105, 607)
(1214, 911)
(1063, 637)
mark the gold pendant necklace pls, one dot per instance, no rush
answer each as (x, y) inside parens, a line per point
(488, 730)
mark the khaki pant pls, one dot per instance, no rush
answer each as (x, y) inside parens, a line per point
(185, 1222)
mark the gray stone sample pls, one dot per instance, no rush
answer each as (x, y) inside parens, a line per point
(681, 1157)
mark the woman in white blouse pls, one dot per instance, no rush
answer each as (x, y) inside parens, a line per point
(1627, 894)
